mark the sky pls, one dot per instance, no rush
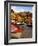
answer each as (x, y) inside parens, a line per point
(21, 8)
